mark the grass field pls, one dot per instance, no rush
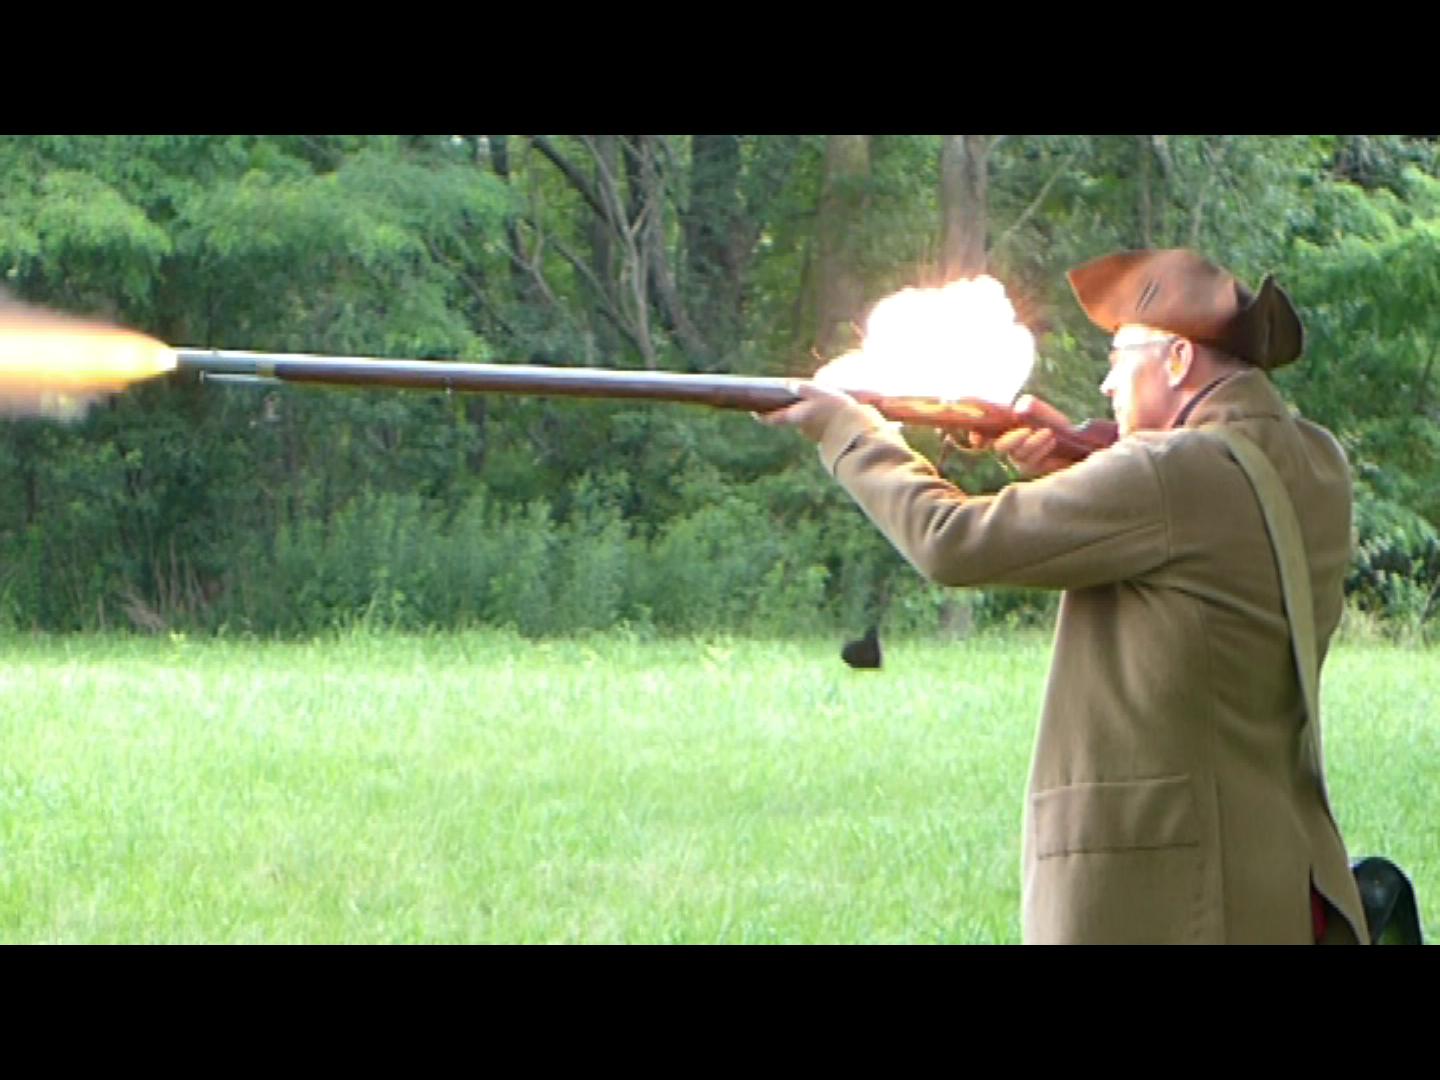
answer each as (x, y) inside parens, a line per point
(481, 788)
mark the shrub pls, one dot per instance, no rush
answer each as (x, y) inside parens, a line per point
(1395, 571)
(522, 582)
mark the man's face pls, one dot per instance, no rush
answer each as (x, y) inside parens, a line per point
(1139, 394)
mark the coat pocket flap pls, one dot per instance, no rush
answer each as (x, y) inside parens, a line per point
(1122, 816)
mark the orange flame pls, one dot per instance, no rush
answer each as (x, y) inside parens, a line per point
(958, 341)
(57, 366)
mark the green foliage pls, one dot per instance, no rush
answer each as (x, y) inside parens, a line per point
(358, 255)
(598, 559)
(72, 236)
(296, 511)
(710, 565)
(1396, 568)
(1369, 371)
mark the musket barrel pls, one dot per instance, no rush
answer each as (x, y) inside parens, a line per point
(749, 393)
(754, 394)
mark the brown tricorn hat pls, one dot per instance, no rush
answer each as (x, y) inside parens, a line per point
(1182, 292)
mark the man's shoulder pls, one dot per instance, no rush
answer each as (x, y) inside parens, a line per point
(1178, 442)
(1308, 456)
(1195, 461)
(1262, 430)
(1321, 439)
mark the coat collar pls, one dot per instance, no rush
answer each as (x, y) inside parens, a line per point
(1249, 394)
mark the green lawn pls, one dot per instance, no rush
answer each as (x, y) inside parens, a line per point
(480, 788)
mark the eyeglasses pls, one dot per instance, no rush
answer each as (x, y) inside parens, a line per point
(1166, 341)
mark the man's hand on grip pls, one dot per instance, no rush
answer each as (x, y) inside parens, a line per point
(1030, 448)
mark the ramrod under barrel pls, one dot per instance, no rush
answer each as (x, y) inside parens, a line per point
(747, 393)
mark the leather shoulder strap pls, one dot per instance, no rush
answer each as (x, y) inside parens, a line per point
(1289, 548)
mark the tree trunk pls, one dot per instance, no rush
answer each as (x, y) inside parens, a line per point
(602, 237)
(500, 163)
(715, 238)
(1147, 229)
(839, 290)
(624, 295)
(1216, 160)
(964, 171)
(647, 218)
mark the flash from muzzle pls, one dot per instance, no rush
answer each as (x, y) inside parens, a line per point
(56, 365)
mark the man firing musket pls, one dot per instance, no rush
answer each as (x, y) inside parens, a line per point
(1177, 791)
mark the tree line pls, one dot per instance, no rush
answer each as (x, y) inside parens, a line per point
(264, 510)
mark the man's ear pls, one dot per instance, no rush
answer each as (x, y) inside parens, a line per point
(1178, 362)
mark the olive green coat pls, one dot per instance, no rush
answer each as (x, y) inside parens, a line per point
(1172, 795)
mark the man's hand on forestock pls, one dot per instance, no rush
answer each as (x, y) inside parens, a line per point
(817, 407)
(1030, 449)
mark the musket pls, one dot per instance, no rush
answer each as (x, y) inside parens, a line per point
(758, 394)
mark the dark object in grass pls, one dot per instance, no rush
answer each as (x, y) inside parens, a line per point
(1391, 914)
(863, 652)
